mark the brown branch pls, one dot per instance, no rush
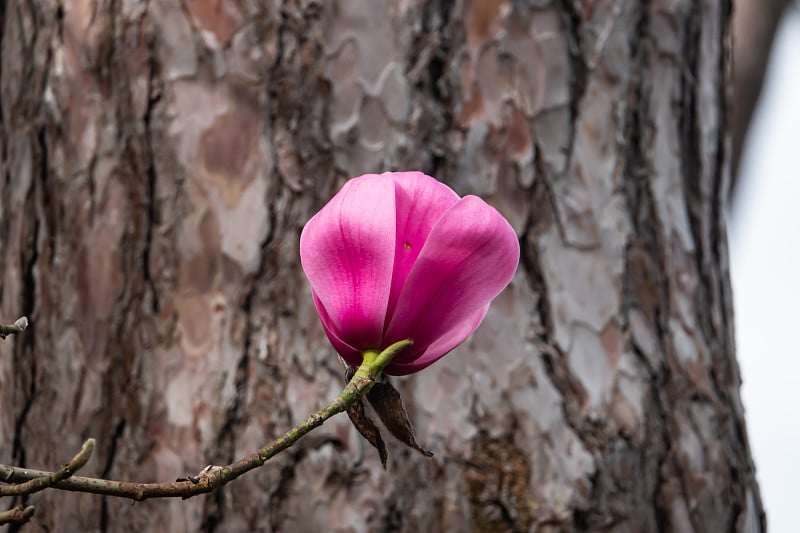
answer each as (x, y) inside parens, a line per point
(42, 482)
(17, 327)
(17, 515)
(213, 477)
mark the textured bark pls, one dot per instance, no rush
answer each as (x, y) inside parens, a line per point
(159, 160)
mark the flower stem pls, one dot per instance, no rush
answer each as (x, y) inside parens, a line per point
(213, 477)
(374, 362)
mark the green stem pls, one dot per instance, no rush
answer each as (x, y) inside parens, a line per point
(374, 362)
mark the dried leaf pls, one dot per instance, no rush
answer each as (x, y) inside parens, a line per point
(368, 429)
(386, 401)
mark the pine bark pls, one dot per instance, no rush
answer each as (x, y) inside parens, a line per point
(159, 160)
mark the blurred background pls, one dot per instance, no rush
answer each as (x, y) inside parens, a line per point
(765, 246)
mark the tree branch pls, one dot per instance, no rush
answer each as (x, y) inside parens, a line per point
(213, 477)
(42, 482)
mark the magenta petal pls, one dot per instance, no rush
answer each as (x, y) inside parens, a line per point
(439, 348)
(470, 256)
(351, 355)
(347, 252)
(420, 201)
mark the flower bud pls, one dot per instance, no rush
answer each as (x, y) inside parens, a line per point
(398, 256)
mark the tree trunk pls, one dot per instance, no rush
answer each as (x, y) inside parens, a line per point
(159, 160)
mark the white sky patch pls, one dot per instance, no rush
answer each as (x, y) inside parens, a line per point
(765, 254)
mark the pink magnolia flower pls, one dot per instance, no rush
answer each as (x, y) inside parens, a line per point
(398, 256)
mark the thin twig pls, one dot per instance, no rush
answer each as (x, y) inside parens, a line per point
(42, 482)
(212, 478)
(17, 327)
(17, 515)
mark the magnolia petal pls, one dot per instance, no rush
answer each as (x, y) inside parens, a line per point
(347, 252)
(403, 366)
(420, 201)
(351, 355)
(470, 256)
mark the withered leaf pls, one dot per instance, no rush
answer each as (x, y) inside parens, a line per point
(386, 401)
(368, 429)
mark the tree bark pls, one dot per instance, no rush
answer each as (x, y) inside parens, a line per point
(159, 160)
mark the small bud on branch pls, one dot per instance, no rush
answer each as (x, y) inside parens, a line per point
(16, 328)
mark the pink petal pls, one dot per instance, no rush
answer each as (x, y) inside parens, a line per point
(470, 256)
(351, 355)
(420, 201)
(347, 253)
(439, 348)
